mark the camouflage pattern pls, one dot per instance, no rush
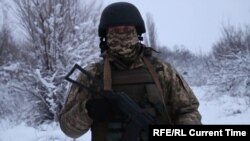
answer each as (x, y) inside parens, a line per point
(178, 99)
(182, 104)
(123, 43)
(73, 118)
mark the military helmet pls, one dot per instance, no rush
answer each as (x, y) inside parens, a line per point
(118, 14)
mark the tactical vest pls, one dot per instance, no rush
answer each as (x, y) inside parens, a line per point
(140, 85)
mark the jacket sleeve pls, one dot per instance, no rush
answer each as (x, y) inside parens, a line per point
(73, 118)
(183, 104)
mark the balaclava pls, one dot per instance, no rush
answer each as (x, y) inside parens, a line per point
(123, 45)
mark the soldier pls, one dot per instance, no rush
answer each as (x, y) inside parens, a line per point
(128, 66)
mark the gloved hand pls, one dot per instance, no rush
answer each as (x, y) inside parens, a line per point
(99, 109)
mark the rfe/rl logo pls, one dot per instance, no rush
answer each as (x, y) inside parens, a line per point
(168, 132)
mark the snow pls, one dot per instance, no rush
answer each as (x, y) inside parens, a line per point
(215, 109)
(11, 67)
(45, 132)
(222, 109)
(223, 91)
(44, 82)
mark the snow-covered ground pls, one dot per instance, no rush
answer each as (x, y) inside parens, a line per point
(215, 109)
(222, 109)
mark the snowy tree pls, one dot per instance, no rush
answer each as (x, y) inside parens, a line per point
(54, 26)
(191, 66)
(230, 61)
(151, 36)
(59, 33)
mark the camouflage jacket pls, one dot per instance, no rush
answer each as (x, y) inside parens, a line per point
(178, 97)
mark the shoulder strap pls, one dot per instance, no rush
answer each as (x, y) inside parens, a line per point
(154, 74)
(158, 85)
(107, 80)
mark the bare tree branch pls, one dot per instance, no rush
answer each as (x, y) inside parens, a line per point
(152, 35)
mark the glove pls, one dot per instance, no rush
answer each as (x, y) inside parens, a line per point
(99, 109)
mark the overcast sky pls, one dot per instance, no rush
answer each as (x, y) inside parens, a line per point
(195, 24)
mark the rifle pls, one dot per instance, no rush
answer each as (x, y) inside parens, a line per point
(140, 119)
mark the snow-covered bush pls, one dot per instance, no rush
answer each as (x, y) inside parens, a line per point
(229, 62)
(59, 34)
(193, 67)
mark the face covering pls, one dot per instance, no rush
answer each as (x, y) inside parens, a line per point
(123, 44)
